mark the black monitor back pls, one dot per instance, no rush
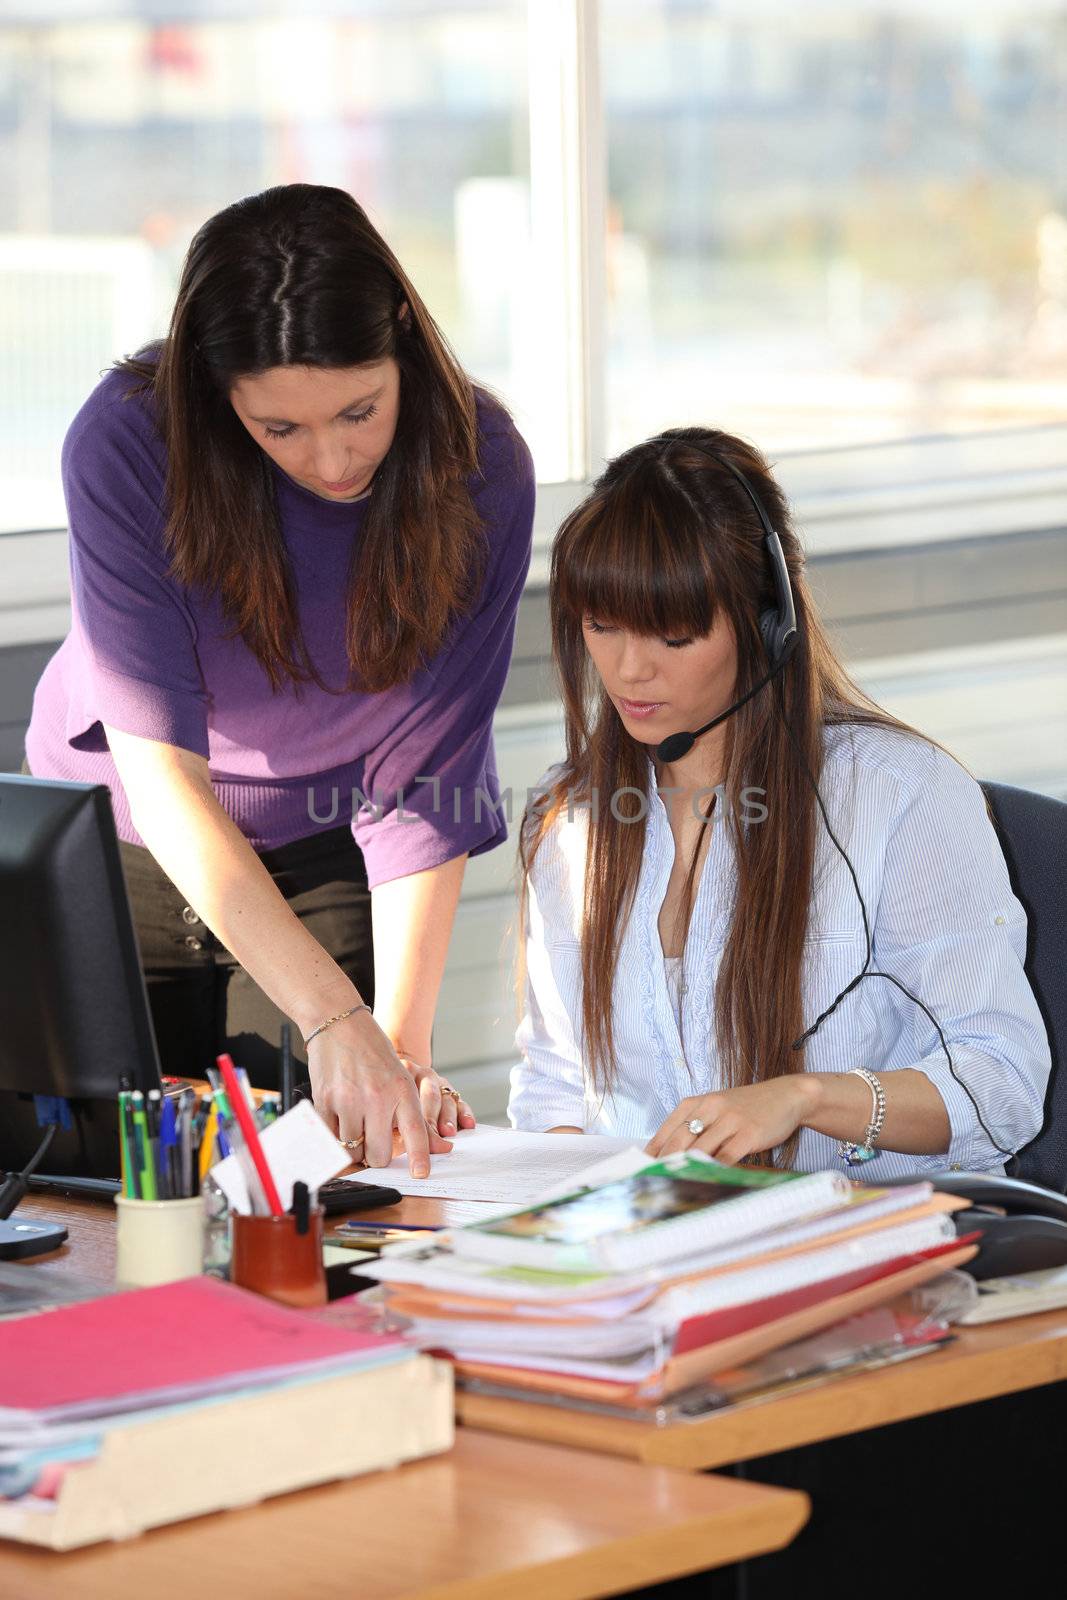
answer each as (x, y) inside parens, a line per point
(74, 1015)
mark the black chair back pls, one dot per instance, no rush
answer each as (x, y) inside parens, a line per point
(1033, 835)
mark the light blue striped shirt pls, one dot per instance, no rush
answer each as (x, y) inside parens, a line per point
(944, 921)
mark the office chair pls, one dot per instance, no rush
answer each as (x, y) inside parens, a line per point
(1033, 835)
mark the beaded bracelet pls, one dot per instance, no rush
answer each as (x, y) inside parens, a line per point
(851, 1153)
(340, 1017)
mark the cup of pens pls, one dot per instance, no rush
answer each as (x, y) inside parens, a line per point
(160, 1233)
(275, 1252)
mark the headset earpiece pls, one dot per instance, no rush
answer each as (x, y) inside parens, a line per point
(779, 635)
(768, 627)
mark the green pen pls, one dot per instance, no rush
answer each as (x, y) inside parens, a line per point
(144, 1150)
(125, 1134)
(137, 1147)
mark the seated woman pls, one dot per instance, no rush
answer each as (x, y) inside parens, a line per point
(699, 911)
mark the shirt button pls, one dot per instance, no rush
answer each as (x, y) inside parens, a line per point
(193, 944)
(679, 1063)
(189, 915)
(1000, 921)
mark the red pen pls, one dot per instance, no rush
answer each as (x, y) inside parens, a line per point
(247, 1123)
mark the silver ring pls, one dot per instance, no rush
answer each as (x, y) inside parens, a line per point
(695, 1126)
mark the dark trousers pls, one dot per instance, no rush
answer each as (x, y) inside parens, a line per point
(202, 1000)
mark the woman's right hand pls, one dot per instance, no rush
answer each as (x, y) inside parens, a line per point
(362, 1090)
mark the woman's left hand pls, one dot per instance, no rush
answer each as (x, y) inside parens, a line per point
(442, 1111)
(737, 1122)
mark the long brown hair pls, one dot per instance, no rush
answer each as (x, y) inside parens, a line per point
(665, 542)
(298, 276)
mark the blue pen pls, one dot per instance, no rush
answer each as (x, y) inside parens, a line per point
(168, 1150)
(154, 1103)
(246, 1085)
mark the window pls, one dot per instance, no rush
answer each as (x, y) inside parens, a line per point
(120, 136)
(832, 227)
(835, 223)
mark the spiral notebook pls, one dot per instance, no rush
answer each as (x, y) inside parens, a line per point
(663, 1211)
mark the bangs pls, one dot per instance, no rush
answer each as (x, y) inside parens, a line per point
(637, 560)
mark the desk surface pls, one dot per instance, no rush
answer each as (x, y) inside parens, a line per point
(495, 1519)
(1000, 1358)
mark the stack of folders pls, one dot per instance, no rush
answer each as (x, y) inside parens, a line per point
(146, 1407)
(649, 1276)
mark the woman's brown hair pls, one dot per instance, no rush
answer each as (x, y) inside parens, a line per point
(667, 541)
(298, 276)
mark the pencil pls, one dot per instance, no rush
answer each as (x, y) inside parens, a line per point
(207, 1139)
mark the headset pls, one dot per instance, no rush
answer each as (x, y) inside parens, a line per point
(780, 635)
(777, 626)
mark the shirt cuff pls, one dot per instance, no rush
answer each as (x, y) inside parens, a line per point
(146, 710)
(533, 1112)
(968, 1148)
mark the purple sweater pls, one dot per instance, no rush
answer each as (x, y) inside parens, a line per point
(149, 656)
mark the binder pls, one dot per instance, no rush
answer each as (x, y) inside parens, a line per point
(190, 1460)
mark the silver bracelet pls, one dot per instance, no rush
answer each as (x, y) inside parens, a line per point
(340, 1017)
(850, 1153)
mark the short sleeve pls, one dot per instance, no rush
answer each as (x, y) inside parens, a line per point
(950, 929)
(431, 783)
(136, 638)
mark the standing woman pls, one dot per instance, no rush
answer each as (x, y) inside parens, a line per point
(299, 535)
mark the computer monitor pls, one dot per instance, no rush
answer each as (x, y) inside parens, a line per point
(74, 1015)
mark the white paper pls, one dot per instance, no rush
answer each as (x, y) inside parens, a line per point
(498, 1165)
(298, 1147)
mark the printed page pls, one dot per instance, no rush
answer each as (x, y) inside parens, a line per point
(498, 1165)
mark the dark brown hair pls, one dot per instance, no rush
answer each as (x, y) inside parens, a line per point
(298, 276)
(665, 542)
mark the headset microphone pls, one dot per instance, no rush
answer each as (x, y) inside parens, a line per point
(778, 627)
(677, 745)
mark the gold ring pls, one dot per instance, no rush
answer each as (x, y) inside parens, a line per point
(446, 1088)
(352, 1144)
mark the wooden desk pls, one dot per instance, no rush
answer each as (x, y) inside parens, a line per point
(495, 1519)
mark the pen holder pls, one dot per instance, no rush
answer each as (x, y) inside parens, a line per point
(271, 1258)
(158, 1241)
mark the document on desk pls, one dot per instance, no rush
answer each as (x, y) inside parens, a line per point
(498, 1165)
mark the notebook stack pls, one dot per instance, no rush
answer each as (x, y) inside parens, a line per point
(158, 1404)
(647, 1277)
